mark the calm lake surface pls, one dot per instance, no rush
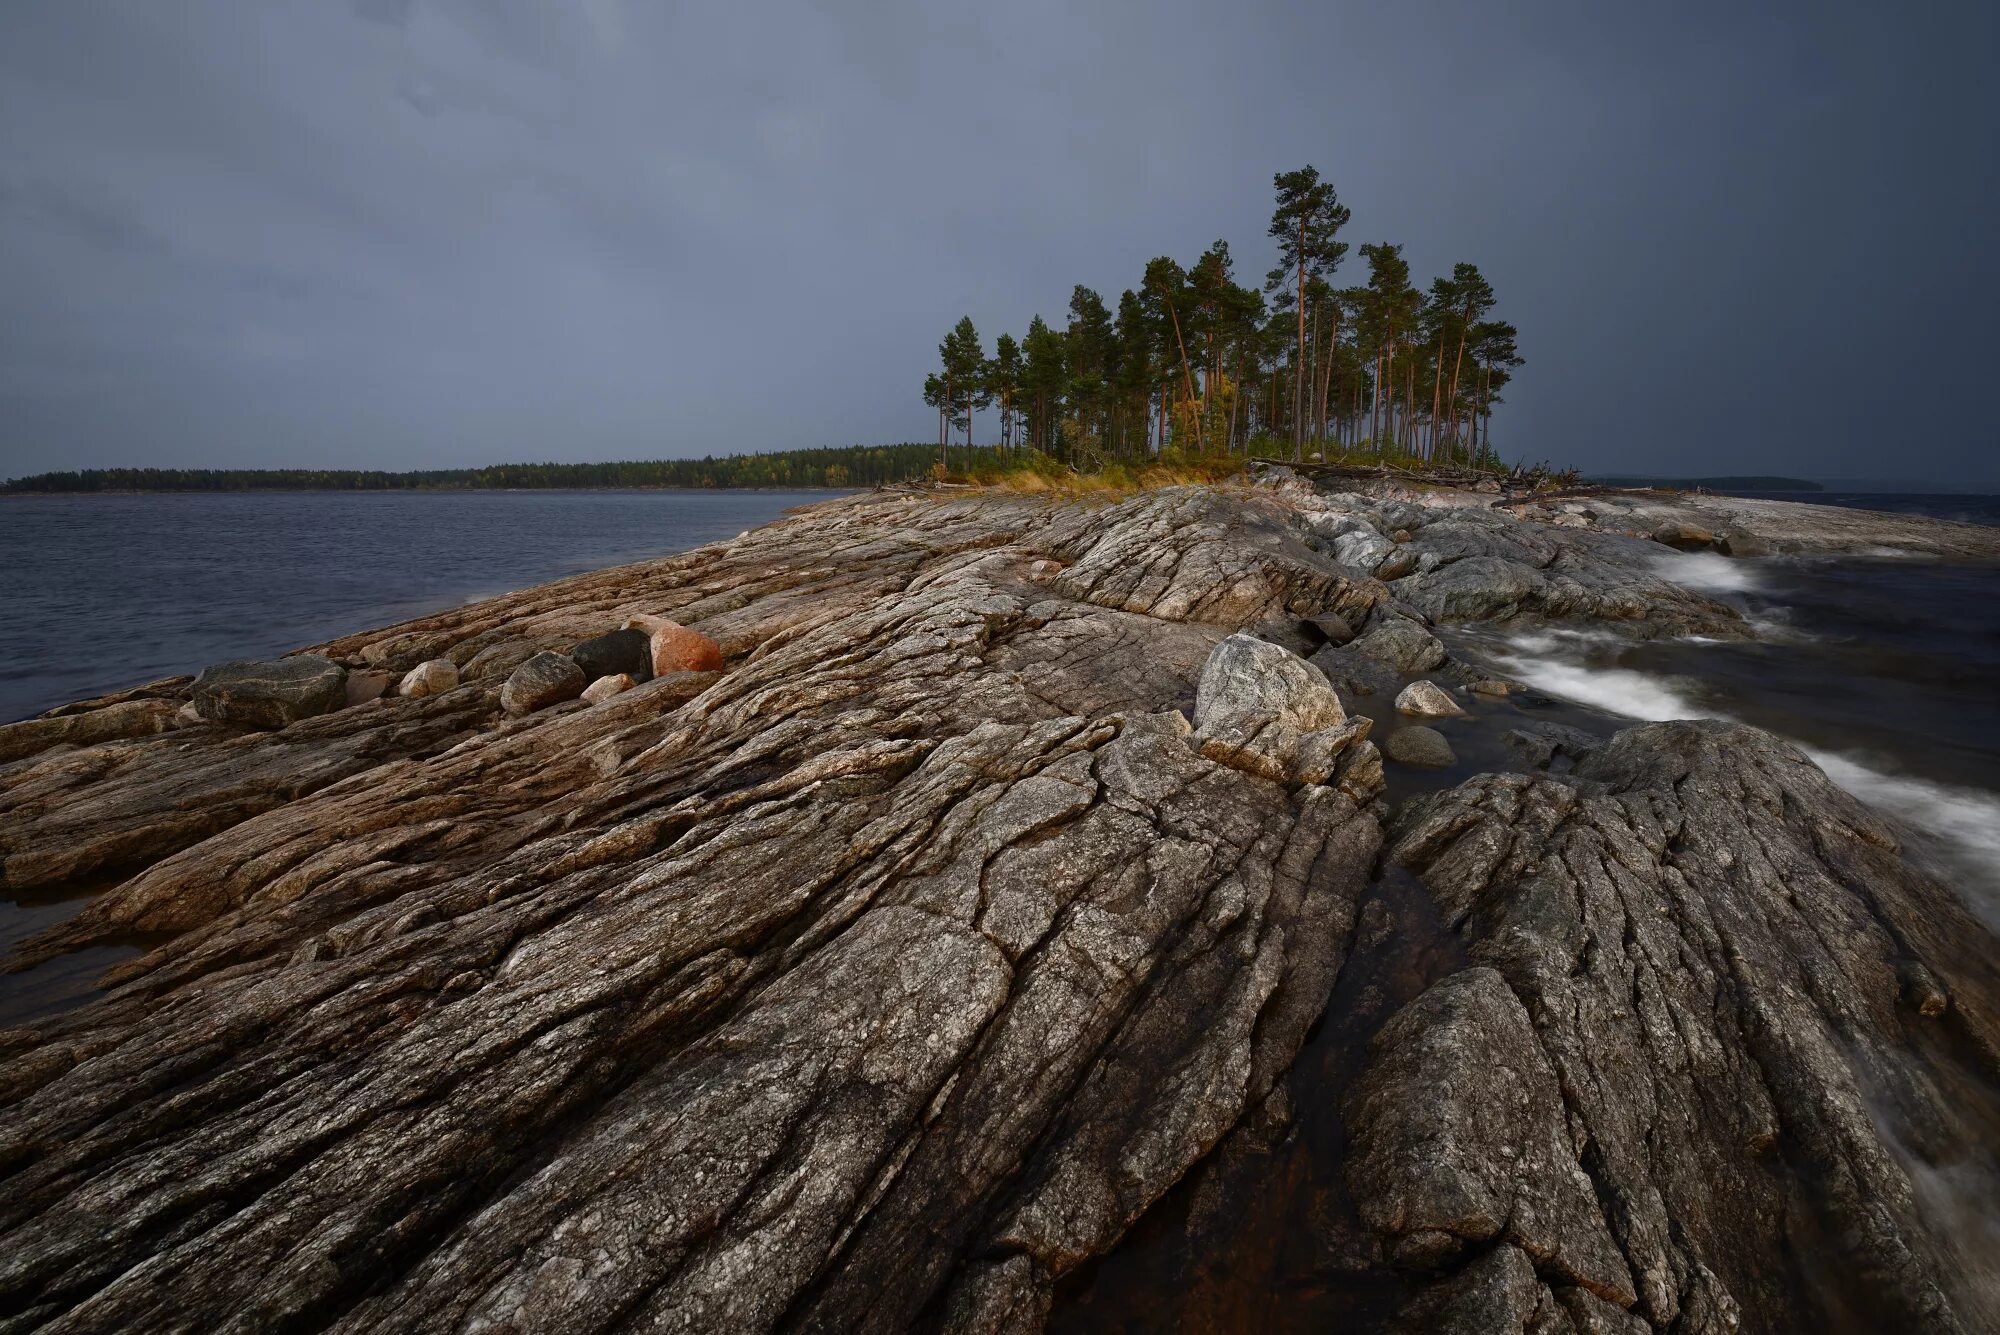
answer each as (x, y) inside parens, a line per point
(104, 592)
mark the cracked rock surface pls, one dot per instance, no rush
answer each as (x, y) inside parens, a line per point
(893, 976)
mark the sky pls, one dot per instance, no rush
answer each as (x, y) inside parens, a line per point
(436, 233)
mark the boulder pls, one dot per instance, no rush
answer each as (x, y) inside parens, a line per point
(546, 679)
(1736, 542)
(628, 651)
(678, 649)
(604, 688)
(1402, 644)
(368, 684)
(1426, 699)
(1684, 536)
(269, 693)
(433, 678)
(1420, 747)
(1261, 708)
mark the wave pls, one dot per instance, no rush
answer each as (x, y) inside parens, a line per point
(1962, 824)
(1708, 572)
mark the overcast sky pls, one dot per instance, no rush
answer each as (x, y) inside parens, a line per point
(409, 233)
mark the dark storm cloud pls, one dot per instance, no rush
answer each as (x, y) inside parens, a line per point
(413, 232)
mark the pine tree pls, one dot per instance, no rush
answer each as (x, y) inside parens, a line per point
(1304, 222)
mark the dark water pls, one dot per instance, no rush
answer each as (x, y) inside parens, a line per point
(1963, 507)
(103, 592)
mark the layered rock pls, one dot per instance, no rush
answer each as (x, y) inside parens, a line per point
(983, 884)
(893, 971)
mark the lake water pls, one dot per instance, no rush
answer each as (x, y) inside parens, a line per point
(104, 592)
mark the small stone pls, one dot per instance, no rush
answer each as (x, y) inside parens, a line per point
(628, 651)
(367, 684)
(604, 688)
(270, 693)
(1426, 699)
(432, 678)
(546, 679)
(1400, 535)
(1420, 747)
(1492, 686)
(678, 649)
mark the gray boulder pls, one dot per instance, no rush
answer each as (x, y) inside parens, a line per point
(546, 679)
(258, 693)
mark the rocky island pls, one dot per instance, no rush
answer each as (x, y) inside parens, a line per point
(983, 912)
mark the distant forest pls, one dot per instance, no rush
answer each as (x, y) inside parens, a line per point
(1193, 361)
(841, 466)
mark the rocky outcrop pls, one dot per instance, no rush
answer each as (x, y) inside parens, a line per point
(893, 971)
(884, 974)
(1688, 1046)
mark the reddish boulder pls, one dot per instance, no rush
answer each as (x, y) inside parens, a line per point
(678, 649)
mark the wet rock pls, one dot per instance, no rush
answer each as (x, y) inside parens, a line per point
(1538, 744)
(544, 680)
(1402, 644)
(1703, 936)
(1737, 542)
(1420, 747)
(675, 648)
(627, 651)
(606, 688)
(270, 693)
(433, 677)
(1492, 686)
(1426, 699)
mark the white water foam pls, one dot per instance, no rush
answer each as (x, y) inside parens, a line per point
(1707, 571)
(1963, 822)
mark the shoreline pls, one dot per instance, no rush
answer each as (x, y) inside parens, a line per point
(1032, 866)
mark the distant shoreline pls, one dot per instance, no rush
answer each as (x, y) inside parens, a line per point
(407, 491)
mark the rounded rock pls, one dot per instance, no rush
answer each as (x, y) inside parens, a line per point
(1419, 747)
(678, 649)
(1426, 699)
(546, 679)
(606, 687)
(431, 678)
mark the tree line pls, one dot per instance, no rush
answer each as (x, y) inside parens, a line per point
(836, 466)
(1194, 360)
